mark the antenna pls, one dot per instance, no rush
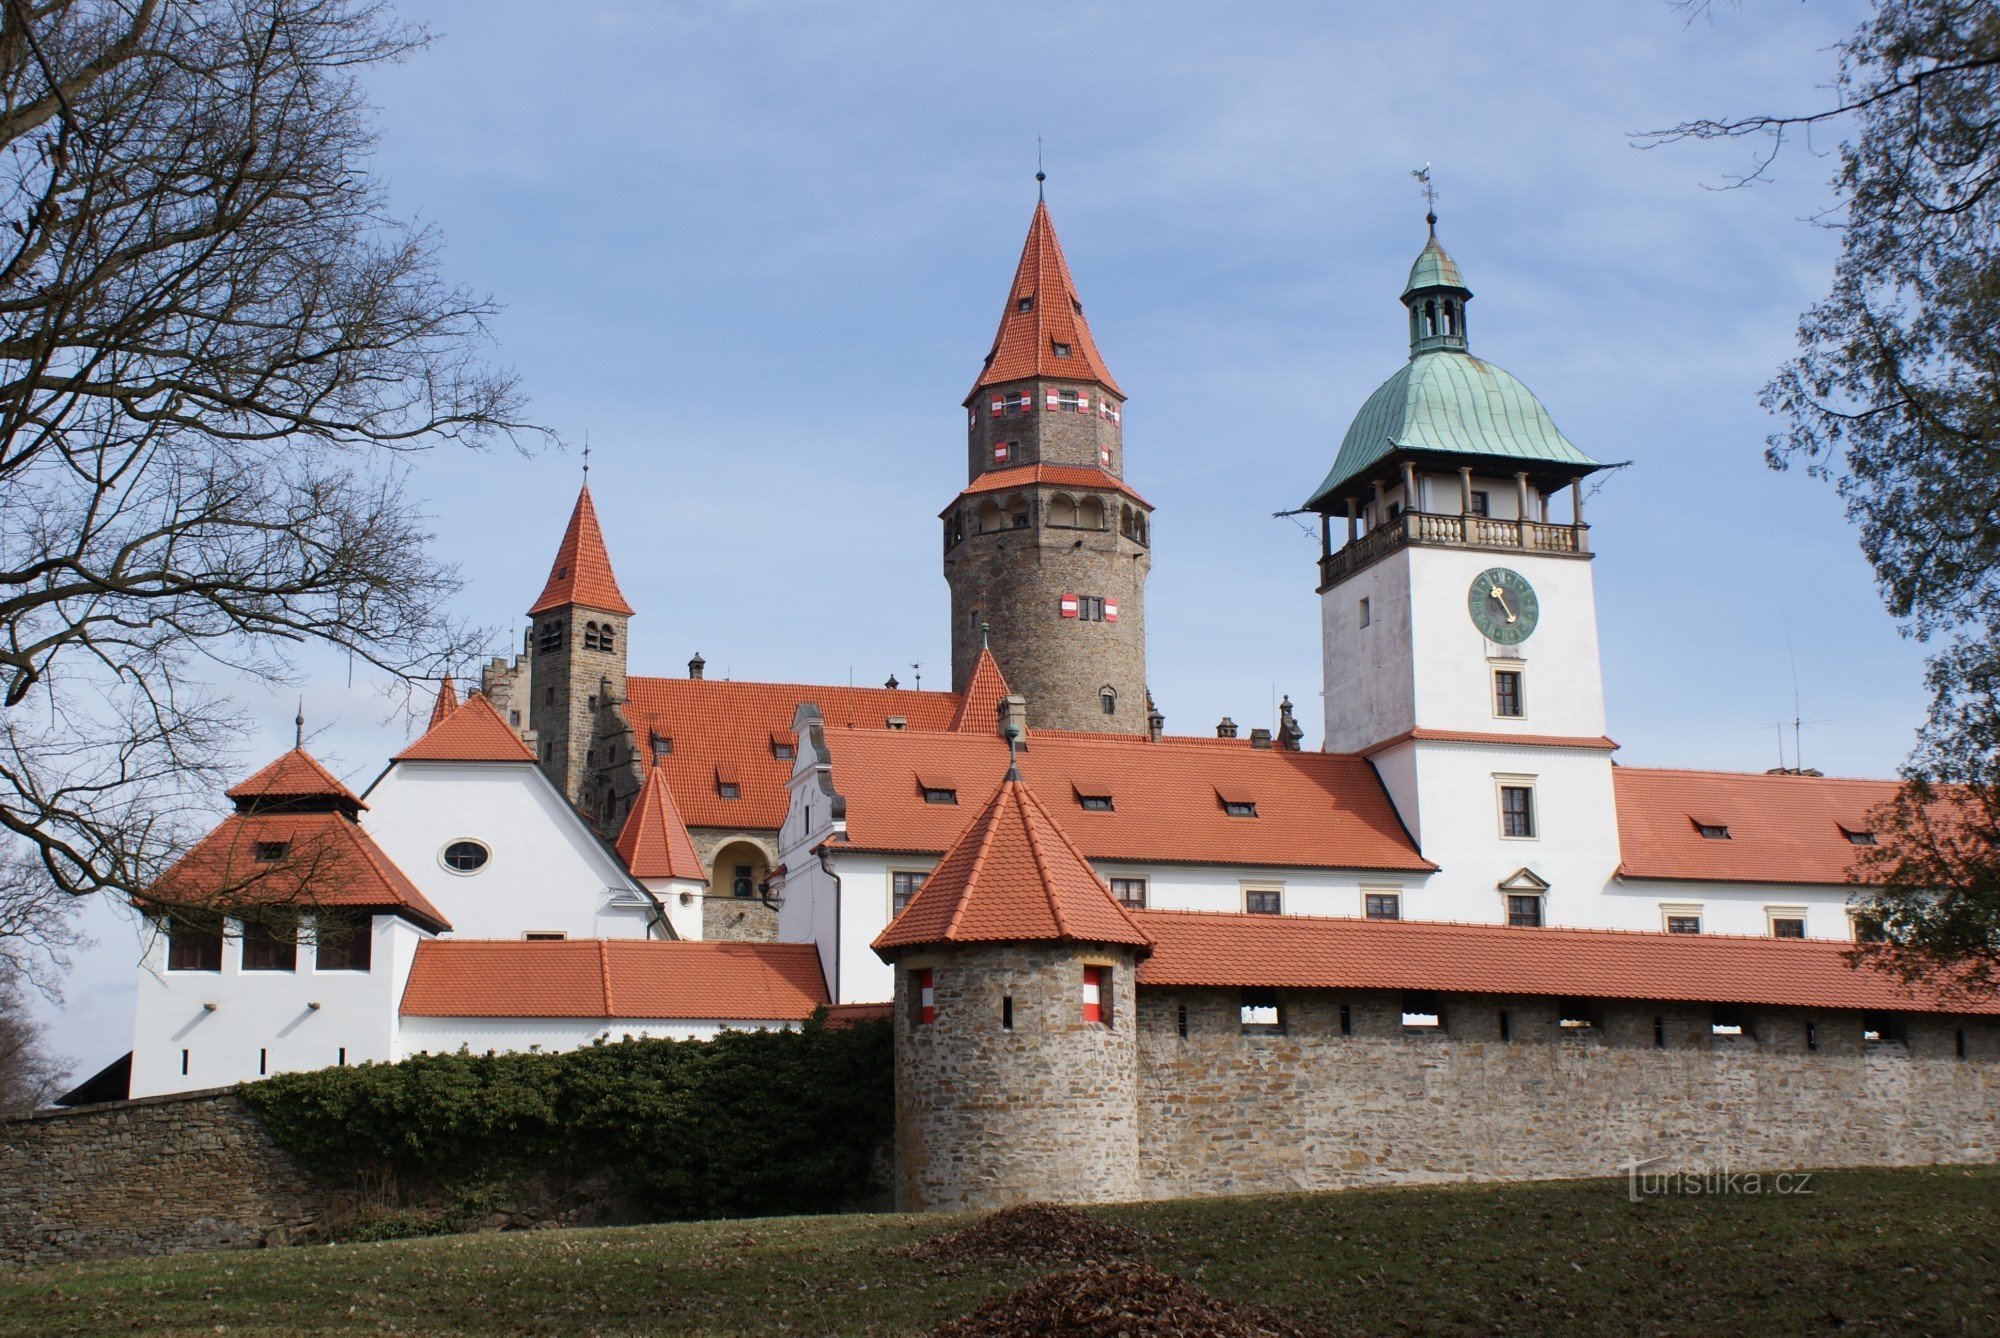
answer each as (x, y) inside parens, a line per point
(1798, 755)
(1423, 176)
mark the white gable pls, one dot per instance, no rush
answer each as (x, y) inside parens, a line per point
(545, 871)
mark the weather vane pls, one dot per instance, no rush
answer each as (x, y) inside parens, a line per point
(586, 455)
(1423, 176)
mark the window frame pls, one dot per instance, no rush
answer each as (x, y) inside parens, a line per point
(1774, 914)
(1275, 891)
(1258, 998)
(1393, 896)
(362, 932)
(1097, 997)
(920, 875)
(922, 987)
(545, 936)
(1519, 674)
(1526, 785)
(268, 946)
(1144, 887)
(209, 939)
(1541, 909)
(444, 856)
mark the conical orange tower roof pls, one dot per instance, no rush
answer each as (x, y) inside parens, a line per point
(473, 733)
(582, 570)
(1013, 876)
(654, 842)
(294, 775)
(979, 704)
(446, 703)
(1043, 313)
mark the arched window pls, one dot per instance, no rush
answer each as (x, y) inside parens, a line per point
(1450, 318)
(606, 637)
(1062, 511)
(989, 517)
(1090, 514)
(1107, 699)
(590, 636)
(1430, 316)
(551, 637)
(1017, 512)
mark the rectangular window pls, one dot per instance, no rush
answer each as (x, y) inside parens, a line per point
(1524, 910)
(1090, 608)
(1507, 699)
(342, 947)
(1482, 502)
(545, 935)
(742, 880)
(923, 999)
(194, 947)
(1097, 994)
(1003, 452)
(263, 1062)
(1131, 892)
(270, 947)
(1683, 924)
(781, 751)
(1261, 1014)
(727, 790)
(934, 794)
(1007, 1012)
(1263, 900)
(1788, 926)
(1382, 905)
(1094, 803)
(270, 852)
(903, 886)
(184, 1063)
(1363, 608)
(1517, 811)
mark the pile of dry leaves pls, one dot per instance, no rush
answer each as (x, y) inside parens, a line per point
(1031, 1233)
(1117, 1297)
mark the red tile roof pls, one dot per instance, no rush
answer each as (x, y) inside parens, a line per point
(446, 703)
(295, 775)
(1064, 476)
(1593, 742)
(841, 1016)
(615, 978)
(327, 860)
(582, 570)
(1782, 829)
(1314, 810)
(714, 722)
(1013, 876)
(1302, 952)
(654, 842)
(1024, 346)
(979, 705)
(473, 733)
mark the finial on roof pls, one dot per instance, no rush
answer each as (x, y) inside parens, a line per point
(1040, 175)
(1423, 176)
(586, 457)
(299, 726)
(985, 643)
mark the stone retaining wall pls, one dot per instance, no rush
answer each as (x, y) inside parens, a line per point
(1316, 1107)
(155, 1176)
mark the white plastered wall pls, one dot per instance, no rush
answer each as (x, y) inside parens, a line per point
(552, 1035)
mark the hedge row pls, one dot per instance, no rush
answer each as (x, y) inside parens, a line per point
(748, 1123)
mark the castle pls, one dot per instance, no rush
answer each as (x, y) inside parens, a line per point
(1455, 908)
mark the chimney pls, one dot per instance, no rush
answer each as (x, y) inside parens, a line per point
(1226, 729)
(1260, 738)
(892, 683)
(1156, 724)
(1289, 732)
(696, 665)
(1011, 717)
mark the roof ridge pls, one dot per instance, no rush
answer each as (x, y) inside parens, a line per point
(604, 971)
(1022, 798)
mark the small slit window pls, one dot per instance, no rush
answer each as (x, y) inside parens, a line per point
(1097, 995)
(923, 997)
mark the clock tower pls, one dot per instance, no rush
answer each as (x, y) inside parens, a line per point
(1459, 626)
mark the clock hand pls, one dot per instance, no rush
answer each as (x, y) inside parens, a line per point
(1501, 595)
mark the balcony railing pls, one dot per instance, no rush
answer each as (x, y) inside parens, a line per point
(1435, 530)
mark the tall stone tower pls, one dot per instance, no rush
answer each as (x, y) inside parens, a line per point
(576, 639)
(1047, 548)
(1017, 1073)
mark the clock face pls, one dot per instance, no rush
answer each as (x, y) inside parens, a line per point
(1503, 606)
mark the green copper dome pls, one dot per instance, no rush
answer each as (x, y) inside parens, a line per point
(1434, 268)
(1452, 405)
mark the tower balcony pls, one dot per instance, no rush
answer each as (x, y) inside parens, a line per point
(1432, 529)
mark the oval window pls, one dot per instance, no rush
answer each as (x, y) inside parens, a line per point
(465, 856)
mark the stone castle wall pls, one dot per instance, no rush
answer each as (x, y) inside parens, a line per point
(1044, 436)
(159, 1175)
(987, 1115)
(1222, 1112)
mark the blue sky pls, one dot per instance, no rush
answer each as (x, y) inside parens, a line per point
(756, 251)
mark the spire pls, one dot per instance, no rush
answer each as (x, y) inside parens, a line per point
(1436, 296)
(1013, 876)
(1042, 331)
(582, 570)
(981, 698)
(446, 703)
(654, 843)
(295, 781)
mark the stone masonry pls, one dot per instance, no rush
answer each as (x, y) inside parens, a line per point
(155, 1176)
(987, 1115)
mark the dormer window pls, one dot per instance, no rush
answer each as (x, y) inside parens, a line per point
(663, 747)
(1712, 831)
(1239, 808)
(727, 790)
(934, 794)
(1061, 351)
(1025, 304)
(1094, 803)
(270, 852)
(781, 751)
(1857, 836)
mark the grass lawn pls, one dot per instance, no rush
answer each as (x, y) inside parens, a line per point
(1912, 1250)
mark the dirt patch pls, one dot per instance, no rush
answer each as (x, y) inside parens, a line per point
(1118, 1297)
(1031, 1233)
